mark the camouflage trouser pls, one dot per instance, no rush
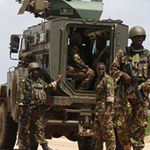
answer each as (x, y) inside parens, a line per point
(137, 139)
(139, 122)
(85, 77)
(123, 113)
(123, 122)
(34, 129)
(104, 130)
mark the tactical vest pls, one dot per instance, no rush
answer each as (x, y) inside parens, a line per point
(37, 90)
(140, 63)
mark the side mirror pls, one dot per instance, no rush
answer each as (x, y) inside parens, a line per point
(14, 43)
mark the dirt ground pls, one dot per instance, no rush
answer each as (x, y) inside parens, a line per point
(147, 143)
(60, 144)
(64, 144)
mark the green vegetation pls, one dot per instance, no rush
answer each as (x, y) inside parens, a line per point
(148, 127)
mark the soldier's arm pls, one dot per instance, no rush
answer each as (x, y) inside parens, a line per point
(149, 64)
(145, 86)
(77, 59)
(115, 67)
(115, 70)
(110, 90)
(20, 99)
(53, 85)
(79, 62)
(20, 94)
(110, 96)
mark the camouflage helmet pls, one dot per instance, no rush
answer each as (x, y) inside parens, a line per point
(33, 65)
(136, 31)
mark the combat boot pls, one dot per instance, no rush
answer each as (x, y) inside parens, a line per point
(45, 146)
(127, 147)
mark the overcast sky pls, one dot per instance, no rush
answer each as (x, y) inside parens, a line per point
(132, 12)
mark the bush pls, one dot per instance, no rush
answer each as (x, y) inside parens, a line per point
(148, 127)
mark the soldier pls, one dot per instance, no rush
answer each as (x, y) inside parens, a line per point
(77, 68)
(131, 116)
(31, 96)
(104, 110)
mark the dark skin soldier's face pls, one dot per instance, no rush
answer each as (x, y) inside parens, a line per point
(36, 73)
(100, 69)
(137, 41)
(76, 38)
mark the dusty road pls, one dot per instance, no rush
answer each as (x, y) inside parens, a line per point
(60, 144)
(64, 144)
(147, 143)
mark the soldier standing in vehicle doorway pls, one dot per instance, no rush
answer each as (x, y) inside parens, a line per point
(104, 110)
(31, 97)
(131, 116)
(77, 69)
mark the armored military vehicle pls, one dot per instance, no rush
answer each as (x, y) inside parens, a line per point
(70, 112)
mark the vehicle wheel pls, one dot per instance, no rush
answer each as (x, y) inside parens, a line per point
(8, 129)
(86, 144)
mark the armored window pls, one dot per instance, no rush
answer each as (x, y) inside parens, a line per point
(42, 37)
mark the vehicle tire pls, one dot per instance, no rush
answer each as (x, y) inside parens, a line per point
(8, 129)
(86, 144)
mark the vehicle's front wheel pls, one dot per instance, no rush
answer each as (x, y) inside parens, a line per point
(8, 129)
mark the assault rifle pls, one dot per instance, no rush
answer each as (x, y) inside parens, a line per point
(134, 82)
(135, 85)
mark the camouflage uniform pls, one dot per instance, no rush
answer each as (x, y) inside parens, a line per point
(34, 127)
(104, 128)
(78, 69)
(130, 121)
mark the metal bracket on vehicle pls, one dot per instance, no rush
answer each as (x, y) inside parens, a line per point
(86, 123)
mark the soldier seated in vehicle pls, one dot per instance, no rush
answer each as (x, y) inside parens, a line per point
(101, 51)
(77, 69)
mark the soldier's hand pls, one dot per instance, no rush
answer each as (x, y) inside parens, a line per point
(106, 116)
(126, 78)
(59, 78)
(91, 71)
(107, 113)
(84, 70)
(144, 88)
(140, 86)
(108, 110)
(21, 111)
